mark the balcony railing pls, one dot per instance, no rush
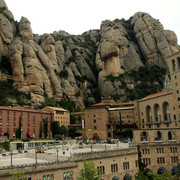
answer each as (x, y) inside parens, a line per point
(144, 140)
(157, 140)
(149, 120)
(157, 119)
(167, 119)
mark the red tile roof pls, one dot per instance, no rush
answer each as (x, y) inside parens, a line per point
(22, 109)
(114, 104)
(157, 94)
(77, 113)
(101, 104)
(123, 104)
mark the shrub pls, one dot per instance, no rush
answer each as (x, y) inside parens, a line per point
(63, 74)
(58, 137)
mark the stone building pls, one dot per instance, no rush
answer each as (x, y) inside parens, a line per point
(61, 115)
(108, 119)
(111, 163)
(158, 117)
(31, 121)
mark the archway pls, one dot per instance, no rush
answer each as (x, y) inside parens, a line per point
(161, 170)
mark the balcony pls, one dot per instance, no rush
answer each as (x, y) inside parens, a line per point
(157, 120)
(149, 123)
(149, 120)
(144, 140)
(158, 140)
(167, 119)
(172, 140)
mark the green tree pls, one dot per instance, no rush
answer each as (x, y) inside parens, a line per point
(19, 175)
(140, 163)
(5, 145)
(72, 131)
(40, 131)
(18, 130)
(63, 130)
(89, 172)
(55, 128)
(45, 127)
(152, 176)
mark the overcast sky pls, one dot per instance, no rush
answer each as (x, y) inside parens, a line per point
(78, 16)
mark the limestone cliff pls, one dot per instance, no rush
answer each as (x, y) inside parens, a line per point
(55, 64)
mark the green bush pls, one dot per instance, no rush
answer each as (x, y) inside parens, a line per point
(63, 74)
(58, 137)
(5, 145)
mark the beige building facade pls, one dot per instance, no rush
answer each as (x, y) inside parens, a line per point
(109, 163)
(106, 120)
(158, 119)
(61, 115)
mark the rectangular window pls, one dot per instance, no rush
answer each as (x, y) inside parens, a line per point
(145, 151)
(101, 170)
(94, 120)
(125, 165)
(174, 159)
(94, 127)
(160, 160)
(146, 161)
(114, 168)
(160, 150)
(173, 149)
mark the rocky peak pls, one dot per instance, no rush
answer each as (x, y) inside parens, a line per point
(54, 65)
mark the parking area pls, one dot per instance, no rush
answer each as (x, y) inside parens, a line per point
(57, 152)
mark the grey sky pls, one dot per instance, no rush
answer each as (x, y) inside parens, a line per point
(78, 16)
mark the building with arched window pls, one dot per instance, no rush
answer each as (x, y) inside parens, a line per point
(158, 117)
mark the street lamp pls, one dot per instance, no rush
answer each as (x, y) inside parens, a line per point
(11, 153)
(35, 155)
(91, 147)
(57, 150)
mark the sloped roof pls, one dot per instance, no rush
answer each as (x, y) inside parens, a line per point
(56, 108)
(101, 104)
(157, 94)
(123, 104)
(22, 109)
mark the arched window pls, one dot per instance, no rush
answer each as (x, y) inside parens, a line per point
(178, 61)
(143, 136)
(173, 65)
(148, 114)
(166, 112)
(158, 135)
(169, 135)
(157, 115)
(109, 134)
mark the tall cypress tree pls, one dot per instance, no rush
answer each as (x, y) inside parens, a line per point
(45, 127)
(140, 163)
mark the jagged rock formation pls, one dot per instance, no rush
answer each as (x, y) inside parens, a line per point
(128, 45)
(55, 64)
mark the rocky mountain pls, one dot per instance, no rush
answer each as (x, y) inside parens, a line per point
(54, 65)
